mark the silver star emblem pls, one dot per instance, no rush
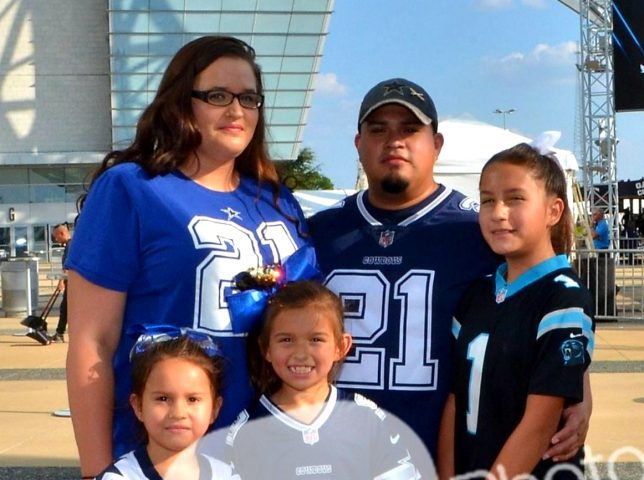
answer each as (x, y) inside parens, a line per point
(414, 93)
(393, 87)
(231, 213)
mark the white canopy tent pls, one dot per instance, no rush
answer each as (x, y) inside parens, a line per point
(313, 201)
(468, 145)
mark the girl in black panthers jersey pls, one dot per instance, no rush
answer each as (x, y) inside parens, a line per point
(523, 337)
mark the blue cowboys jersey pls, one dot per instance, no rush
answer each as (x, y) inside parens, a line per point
(350, 438)
(174, 246)
(136, 465)
(400, 275)
(533, 336)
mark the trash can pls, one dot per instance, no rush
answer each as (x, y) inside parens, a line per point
(16, 274)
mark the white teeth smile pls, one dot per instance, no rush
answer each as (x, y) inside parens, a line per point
(300, 369)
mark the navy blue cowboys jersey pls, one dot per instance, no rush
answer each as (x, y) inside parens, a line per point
(400, 275)
(351, 438)
(533, 336)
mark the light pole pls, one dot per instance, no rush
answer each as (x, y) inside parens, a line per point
(504, 113)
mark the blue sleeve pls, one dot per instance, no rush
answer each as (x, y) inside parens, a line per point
(105, 249)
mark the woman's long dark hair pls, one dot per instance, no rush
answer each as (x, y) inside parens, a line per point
(167, 134)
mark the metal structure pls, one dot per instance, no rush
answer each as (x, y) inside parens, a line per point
(598, 110)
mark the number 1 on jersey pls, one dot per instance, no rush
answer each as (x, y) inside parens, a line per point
(475, 353)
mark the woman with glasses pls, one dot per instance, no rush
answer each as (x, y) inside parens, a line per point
(166, 225)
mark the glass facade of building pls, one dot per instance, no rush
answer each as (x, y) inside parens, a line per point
(74, 90)
(288, 36)
(43, 184)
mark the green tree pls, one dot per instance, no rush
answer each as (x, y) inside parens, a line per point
(303, 173)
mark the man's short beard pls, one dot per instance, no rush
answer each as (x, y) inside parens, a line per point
(394, 184)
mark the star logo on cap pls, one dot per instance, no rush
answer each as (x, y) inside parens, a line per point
(393, 87)
(414, 93)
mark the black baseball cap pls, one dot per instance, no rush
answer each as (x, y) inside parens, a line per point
(401, 91)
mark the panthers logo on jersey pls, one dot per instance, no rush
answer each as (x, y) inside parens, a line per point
(572, 352)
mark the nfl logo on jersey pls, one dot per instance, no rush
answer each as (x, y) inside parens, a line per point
(386, 238)
(311, 436)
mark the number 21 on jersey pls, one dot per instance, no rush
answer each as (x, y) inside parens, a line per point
(233, 249)
(367, 297)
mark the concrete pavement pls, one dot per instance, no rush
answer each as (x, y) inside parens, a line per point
(35, 444)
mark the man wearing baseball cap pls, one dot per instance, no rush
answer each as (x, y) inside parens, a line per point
(398, 143)
(400, 255)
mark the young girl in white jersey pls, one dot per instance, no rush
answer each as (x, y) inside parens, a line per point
(302, 424)
(176, 380)
(523, 337)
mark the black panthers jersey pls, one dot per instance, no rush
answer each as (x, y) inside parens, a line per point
(533, 336)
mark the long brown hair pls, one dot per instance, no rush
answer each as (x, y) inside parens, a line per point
(167, 134)
(545, 168)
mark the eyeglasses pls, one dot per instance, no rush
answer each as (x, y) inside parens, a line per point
(223, 98)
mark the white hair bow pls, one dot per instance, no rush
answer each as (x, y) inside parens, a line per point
(545, 141)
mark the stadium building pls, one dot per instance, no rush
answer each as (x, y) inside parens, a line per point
(76, 75)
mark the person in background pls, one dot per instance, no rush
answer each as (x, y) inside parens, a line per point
(167, 223)
(60, 234)
(603, 285)
(400, 255)
(600, 231)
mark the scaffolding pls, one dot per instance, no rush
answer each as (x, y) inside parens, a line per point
(583, 237)
(598, 111)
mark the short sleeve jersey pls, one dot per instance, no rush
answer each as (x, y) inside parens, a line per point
(174, 247)
(531, 337)
(350, 438)
(400, 280)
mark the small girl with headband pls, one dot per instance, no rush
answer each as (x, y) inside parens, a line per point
(524, 338)
(176, 380)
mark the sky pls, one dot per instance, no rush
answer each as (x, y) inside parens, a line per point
(473, 57)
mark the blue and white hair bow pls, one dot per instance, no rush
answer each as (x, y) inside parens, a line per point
(255, 287)
(148, 335)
